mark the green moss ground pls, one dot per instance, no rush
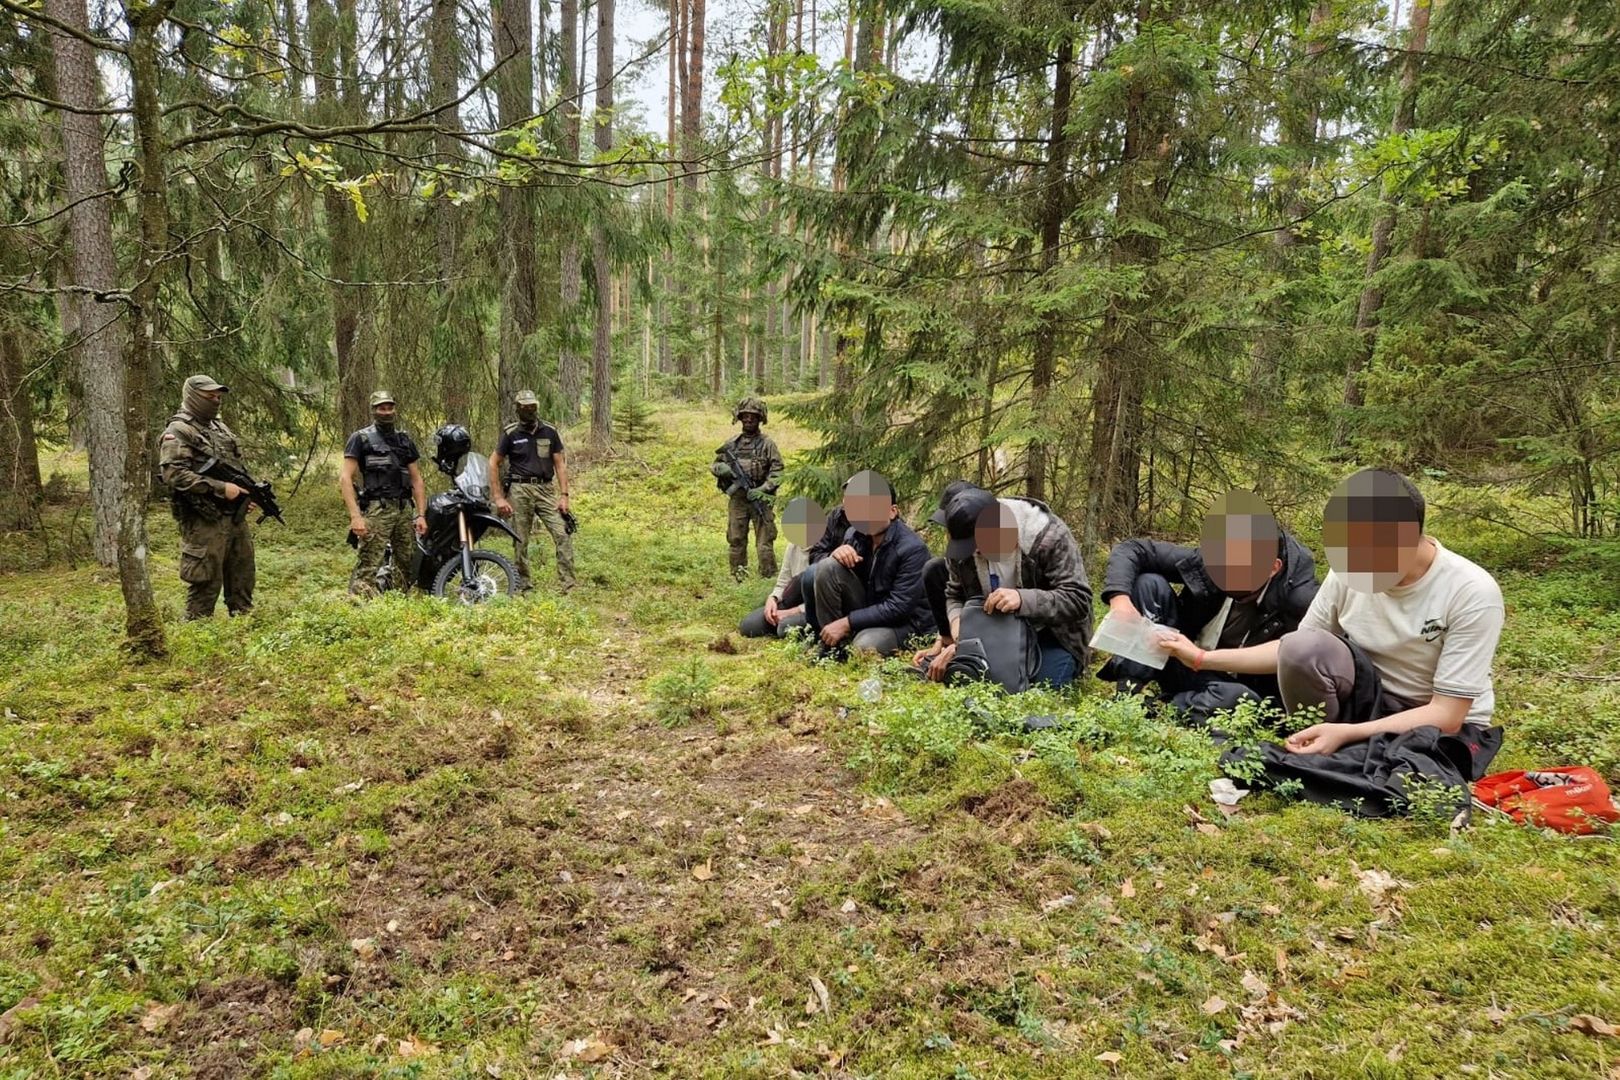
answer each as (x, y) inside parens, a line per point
(577, 835)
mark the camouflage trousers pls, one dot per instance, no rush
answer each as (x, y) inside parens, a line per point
(388, 521)
(538, 502)
(216, 555)
(737, 522)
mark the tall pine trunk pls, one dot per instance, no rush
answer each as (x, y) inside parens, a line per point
(455, 334)
(1383, 230)
(514, 96)
(1054, 209)
(1115, 462)
(570, 365)
(143, 627)
(337, 96)
(602, 353)
(93, 278)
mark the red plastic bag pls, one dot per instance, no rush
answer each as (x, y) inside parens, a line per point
(1570, 799)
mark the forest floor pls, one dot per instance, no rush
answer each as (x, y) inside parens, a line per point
(599, 835)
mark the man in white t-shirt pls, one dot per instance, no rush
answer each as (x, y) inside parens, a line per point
(1422, 621)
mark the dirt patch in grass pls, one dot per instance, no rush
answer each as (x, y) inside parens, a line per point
(225, 1027)
(1013, 801)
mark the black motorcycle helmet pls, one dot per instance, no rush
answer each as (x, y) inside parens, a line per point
(451, 443)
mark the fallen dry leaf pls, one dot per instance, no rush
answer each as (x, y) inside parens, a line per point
(141, 1072)
(1375, 883)
(821, 994)
(157, 1017)
(848, 907)
(10, 1018)
(1207, 829)
(1111, 1057)
(1127, 889)
(1270, 909)
(1282, 963)
(365, 948)
(329, 1037)
(588, 1050)
(1216, 1004)
(703, 871)
(414, 1047)
(1255, 985)
(1498, 1016)
(1058, 903)
(1593, 1025)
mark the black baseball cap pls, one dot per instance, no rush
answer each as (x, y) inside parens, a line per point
(952, 490)
(962, 517)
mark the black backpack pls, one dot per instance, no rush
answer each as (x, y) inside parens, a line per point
(999, 648)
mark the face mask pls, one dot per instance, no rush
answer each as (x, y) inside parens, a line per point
(384, 423)
(195, 402)
(528, 415)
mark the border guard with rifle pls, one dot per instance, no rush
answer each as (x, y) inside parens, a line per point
(211, 494)
(383, 458)
(748, 468)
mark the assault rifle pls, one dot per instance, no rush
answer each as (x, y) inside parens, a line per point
(259, 494)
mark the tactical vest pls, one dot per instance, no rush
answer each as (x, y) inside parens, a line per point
(753, 455)
(384, 477)
(202, 441)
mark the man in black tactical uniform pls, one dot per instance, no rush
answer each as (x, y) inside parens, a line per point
(538, 489)
(383, 458)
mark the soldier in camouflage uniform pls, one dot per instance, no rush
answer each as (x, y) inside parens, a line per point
(216, 543)
(383, 458)
(762, 462)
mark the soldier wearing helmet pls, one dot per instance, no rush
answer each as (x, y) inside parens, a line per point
(382, 487)
(748, 468)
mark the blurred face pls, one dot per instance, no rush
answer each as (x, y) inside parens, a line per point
(1371, 532)
(750, 423)
(803, 521)
(867, 503)
(995, 534)
(1238, 543)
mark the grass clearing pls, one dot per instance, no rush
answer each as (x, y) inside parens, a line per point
(565, 836)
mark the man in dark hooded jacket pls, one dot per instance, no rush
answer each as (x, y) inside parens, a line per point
(1247, 582)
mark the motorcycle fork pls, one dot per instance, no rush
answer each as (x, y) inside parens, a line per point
(466, 548)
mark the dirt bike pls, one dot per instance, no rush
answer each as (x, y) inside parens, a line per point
(446, 561)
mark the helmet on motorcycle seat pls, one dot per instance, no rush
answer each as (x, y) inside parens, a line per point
(451, 443)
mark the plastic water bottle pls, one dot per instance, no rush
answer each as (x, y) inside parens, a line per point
(871, 690)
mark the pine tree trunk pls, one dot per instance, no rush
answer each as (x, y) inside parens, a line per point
(332, 35)
(1383, 231)
(514, 95)
(1115, 462)
(1054, 209)
(21, 491)
(143, 627)
(93, 275)
(570, 363)
(456, 335)
(602, 354)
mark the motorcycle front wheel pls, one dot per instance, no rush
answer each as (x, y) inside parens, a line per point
(492, 576)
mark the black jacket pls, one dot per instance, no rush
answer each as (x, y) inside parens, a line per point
(1285, 602)
(893, 575)
(831, 537)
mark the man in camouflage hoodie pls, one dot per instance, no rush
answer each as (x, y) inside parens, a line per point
(762, 465)
(216, 542)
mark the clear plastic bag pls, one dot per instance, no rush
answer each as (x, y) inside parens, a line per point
(1134, 639)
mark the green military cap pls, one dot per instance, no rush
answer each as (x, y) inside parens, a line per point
(382, 397)
(526, 397)
(204, 382)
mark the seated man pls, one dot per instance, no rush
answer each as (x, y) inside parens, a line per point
(868, 591)
(937, 570)
(1400, 637)
(784, 607)
(1020, 558)
(1246, 583)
